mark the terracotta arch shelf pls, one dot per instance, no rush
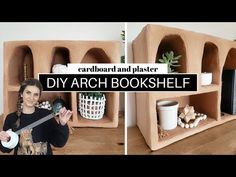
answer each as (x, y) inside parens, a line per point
(40, 56)
(201, 53)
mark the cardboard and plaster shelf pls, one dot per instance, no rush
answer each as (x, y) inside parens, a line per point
(25, 59)
(200, 53)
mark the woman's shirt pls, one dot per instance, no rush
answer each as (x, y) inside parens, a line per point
(49, 132)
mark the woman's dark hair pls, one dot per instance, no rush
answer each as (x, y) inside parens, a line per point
(24, 84)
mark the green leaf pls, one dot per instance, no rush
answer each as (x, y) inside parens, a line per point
(175, 65)
(178, 57)
(122, 59)
(171, 60)
(165, 59)
(163, 55)
(161, 60)
(167, 55)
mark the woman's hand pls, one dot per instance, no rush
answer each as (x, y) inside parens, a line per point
(4, 136)
(64, 116)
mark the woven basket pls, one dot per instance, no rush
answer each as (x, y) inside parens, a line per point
(91, 108)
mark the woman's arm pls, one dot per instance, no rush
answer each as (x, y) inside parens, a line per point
(58, 134)
(59, 131)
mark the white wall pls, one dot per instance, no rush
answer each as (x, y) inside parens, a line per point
(223, 30)
(56, 31)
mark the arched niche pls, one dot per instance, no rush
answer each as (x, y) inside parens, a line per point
(96, 55)
(230, 62)
(176, 44)
(21, 65)
(210, 61)
(61, 55)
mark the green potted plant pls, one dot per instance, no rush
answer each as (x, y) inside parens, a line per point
(92, 105)
(171, 60)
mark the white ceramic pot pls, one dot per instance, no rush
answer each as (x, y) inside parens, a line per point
(59, 68)
(206, 78)
(168, 114)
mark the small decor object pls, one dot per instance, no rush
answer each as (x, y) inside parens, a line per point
(168, 113)
(44, 105)
(59, 68)
(171, 60)
(187, 114)
(25, 72)
(206, 78)
(189, 118)
(92, 105)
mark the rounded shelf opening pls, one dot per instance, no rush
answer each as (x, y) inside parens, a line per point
(228, 83)
(96, 55)
(22, 63)
(61, 55)
(176, 44)
(230, 62)
(210, 61)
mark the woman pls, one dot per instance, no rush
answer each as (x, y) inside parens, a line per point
(37, 140)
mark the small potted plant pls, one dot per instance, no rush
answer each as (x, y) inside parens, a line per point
(171, 61)
(92, 105)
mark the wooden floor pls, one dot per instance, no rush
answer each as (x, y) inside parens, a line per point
(94, 141)
(217, 140)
